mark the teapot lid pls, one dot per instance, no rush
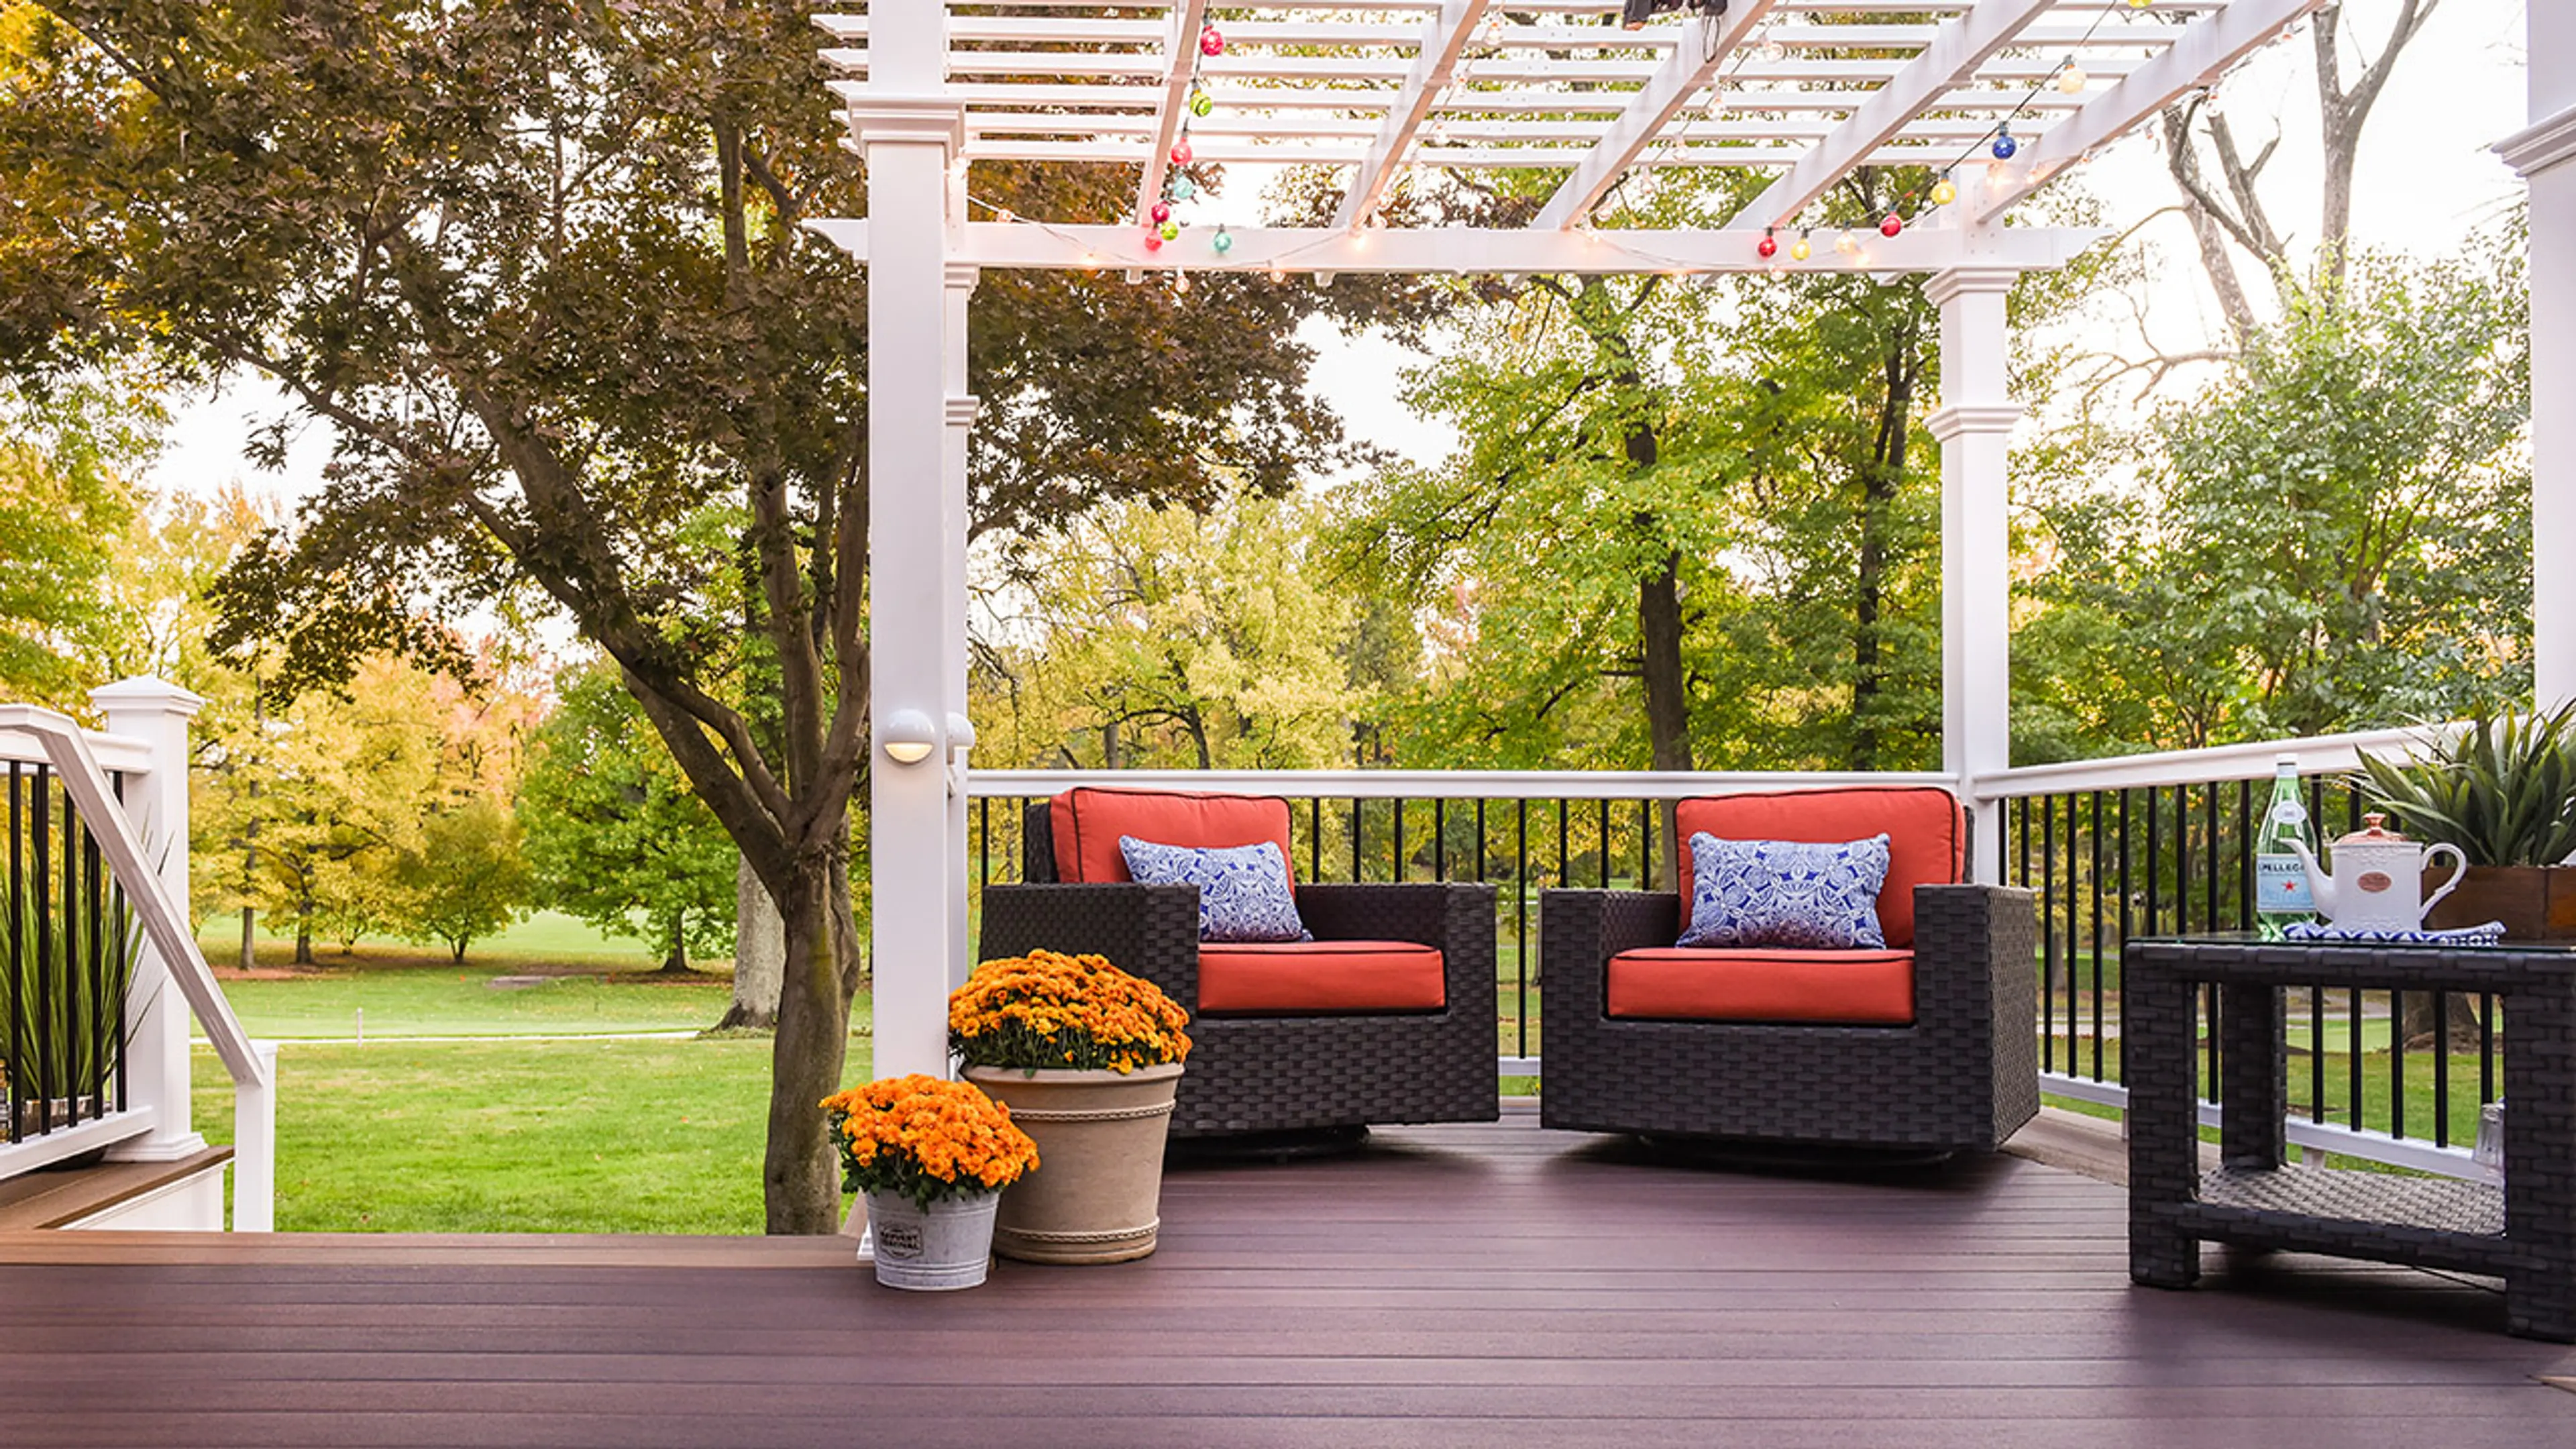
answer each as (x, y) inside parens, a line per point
(2373, 832)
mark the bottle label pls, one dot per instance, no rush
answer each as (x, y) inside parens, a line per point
(2289, 812)
(2281, 885)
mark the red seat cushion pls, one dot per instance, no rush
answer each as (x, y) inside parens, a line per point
(1926, 835)
(1086, 824)
(1307, 978)
(1683, 983)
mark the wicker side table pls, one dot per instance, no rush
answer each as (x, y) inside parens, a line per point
(2523, 1232)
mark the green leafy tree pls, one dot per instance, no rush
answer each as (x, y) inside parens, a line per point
(543, 266)
(64, 503)
(466, 879)
(2337, 536)
(614, 833)
(1163, 637)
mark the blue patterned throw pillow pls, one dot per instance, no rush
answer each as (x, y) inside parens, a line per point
(1243, 889)
(1820, 895)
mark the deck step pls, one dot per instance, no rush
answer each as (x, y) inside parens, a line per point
(59, 1196)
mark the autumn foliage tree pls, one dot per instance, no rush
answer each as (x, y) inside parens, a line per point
(542, 265)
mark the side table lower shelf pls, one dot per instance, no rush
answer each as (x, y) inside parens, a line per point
(2421, 1222)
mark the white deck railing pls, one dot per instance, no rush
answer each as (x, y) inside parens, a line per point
(81, 759)
(2323, 754)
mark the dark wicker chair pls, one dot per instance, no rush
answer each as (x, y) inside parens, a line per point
(1961, 1076)
(1264, 1074)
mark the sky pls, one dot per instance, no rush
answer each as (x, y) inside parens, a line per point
(2426, 178)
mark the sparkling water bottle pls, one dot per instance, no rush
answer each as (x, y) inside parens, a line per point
(2281, 895)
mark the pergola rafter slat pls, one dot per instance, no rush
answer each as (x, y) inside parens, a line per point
(1672, 86)
(1180, 63)
(1964, 44)
(2205, 51)
(1442, 42)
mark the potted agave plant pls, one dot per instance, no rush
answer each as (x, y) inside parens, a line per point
(2502, 789)
(932, 1157)
(1088, 1057)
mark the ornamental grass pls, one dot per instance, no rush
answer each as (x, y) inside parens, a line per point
(926, 1139)
(1049, 1010)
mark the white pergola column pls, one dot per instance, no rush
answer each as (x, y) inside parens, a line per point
(2545, 155)
(909, 131)
(1975, 428)
(157, 712)
(959, 414)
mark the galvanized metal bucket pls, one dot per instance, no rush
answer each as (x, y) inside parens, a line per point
(947, 1245)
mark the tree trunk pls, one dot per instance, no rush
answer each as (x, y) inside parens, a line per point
(456, 950)
(1878, 500)
(759, 954)
(304, 941)
(675, 961)
(1659, 648)
(799, 1177)
(249, 958)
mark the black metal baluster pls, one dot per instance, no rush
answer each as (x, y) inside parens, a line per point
(94, 1035)
(1403, 867)
(984, 842)
(125, 948)
(1520, 916)
(1564, 862)
(2486, 1047)
(1358, 872)
(2074, 924)
(43, 833)
(1315, 839)
(2097, 949)
(2210, 911)
(2396, 1065)
(1645, 845)
(2048, 904)
(17, 954)
(1605, 842)
(2441, 1069)
(2245, 854)
(1440, 840)
(2126, 921)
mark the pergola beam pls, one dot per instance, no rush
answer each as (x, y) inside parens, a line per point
(1056, 246)
(1442, 41)
(1181, 61)
(1963, 45)
(1704, 46)
(2206, 50)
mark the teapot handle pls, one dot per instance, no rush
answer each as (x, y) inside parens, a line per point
(2459, 868)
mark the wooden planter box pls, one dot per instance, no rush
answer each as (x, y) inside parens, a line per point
(2535, 902)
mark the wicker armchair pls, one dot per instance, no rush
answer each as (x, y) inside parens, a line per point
(1960, 1075)
(1278, 1073)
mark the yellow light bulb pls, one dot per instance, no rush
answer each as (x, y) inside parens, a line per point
(1799, 251)
(1943, 192)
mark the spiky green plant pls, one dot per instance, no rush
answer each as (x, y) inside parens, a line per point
(63, 987)
(2501, 788)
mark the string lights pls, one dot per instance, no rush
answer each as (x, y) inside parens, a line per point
(2068, 77)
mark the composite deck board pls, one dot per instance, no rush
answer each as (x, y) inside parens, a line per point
(1480, 1285)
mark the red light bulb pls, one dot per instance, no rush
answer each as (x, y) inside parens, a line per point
(1892, 225)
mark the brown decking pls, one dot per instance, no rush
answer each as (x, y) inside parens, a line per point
(1474, 1285)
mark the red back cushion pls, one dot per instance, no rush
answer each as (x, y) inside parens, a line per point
(1927, 835)
(1086, 824)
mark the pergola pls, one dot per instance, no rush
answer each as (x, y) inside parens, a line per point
(1806, 90)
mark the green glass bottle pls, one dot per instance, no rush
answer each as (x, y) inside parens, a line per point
(2281, 894)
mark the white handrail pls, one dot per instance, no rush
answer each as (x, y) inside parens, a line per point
(2317, 754)
(113, 752)
(1440, 784)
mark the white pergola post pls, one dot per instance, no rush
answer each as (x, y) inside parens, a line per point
(2545, 155)
(1975, 428)
(157, 712)
(959, 413)
(909, 130)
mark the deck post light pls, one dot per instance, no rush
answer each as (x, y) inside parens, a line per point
(908, 736)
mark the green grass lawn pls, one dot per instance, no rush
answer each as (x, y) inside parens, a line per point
(544, 936)
(516, 1136)
(413, 1001)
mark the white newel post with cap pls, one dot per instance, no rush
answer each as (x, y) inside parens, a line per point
(959, 413)
(2544, 154)
(1975, 427)
(910, 132)
(156, 712)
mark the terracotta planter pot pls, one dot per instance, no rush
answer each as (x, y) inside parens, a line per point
(2535, 902)
(1097, 1191)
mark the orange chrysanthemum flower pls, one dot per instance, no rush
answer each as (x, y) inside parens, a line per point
(1047, 1009)
(926, 1139)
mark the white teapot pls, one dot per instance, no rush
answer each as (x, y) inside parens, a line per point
(2378, 883)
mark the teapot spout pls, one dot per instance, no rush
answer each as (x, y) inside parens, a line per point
(2321, 886)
